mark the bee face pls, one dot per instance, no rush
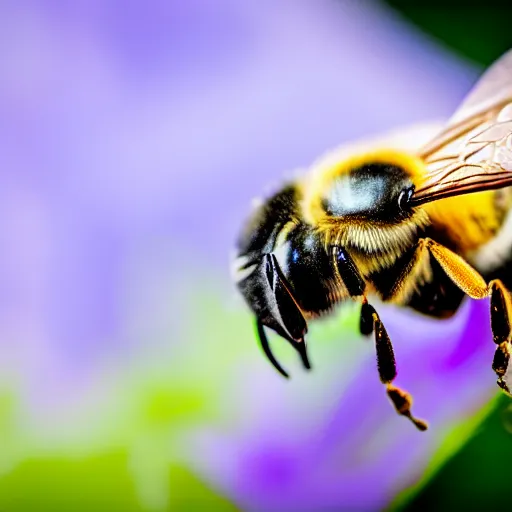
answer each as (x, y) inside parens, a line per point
(376, 191)
(363, 203)
(365, 189)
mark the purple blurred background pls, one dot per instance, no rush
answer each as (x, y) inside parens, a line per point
(133, 137)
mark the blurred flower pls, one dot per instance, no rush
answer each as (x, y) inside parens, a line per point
(331, 440)
(132, 138)
(130, 148)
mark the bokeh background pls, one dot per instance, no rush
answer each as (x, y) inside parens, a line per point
(133, 137)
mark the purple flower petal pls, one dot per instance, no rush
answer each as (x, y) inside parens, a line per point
(133, 137)
(311, 445)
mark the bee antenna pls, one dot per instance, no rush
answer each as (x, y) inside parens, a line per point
(266, 349)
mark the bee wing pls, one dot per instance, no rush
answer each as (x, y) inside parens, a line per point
(474, 151)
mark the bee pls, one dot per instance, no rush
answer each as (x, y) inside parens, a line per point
(420, 229)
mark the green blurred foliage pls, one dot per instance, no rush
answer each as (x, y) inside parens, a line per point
(123, 452)
(99, 483)
(477, 30)
(476, 477)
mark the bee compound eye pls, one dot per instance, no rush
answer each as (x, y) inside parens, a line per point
(404, 198)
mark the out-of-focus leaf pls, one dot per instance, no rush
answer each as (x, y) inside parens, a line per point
(453, 441)
(478, 30)
(189, 494)
(99, 483)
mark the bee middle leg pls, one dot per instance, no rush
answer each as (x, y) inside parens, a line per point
(370, 322)
(474, 285)
(402, 400)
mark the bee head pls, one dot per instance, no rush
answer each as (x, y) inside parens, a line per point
(364, 200)
(369, 187)
(378, 192)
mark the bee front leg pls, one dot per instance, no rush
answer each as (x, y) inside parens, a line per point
(265, 345)
(283, 314)
(474, 285)
(371, 322)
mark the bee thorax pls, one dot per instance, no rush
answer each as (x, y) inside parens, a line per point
(377, 246)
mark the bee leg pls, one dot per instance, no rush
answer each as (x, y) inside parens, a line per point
(474, 285)
(293, 324)
(501, 315)
(266, 348)
(370, 322)
(386, 365)
(265, 345)
(458, 270)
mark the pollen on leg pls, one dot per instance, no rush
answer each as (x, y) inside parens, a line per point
(473, 284)
(458, 270)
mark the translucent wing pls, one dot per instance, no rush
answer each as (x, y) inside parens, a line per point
(474, 151)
